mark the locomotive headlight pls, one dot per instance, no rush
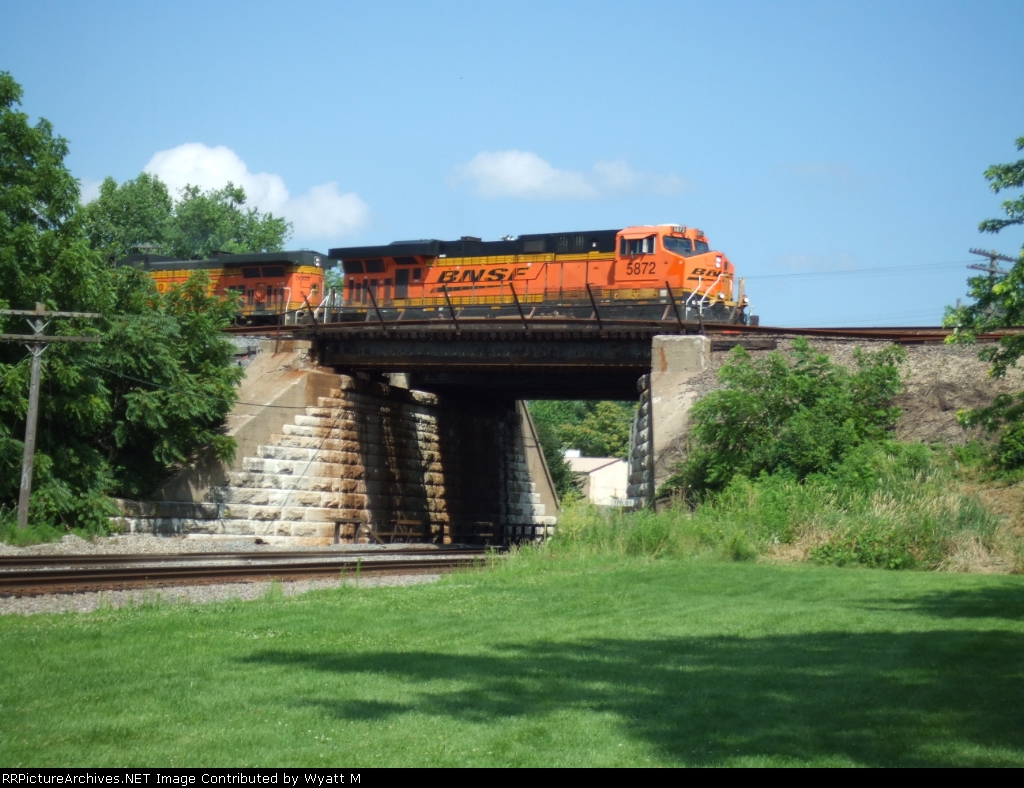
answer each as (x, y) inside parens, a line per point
(718, 262)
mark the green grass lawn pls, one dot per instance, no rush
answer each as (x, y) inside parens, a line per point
(596, 662)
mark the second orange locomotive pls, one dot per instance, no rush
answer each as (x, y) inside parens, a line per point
(637, 272)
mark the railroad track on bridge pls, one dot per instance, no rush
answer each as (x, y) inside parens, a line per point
(540, 328)
(543, 357)
(50, 574)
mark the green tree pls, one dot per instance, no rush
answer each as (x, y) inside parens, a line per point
(140, 213)
(597, 429)
(334, 277)
(551, 446)
(602, 432)
(797, 418)
(114, 416)
(998, 303)
(217, 220)
(171, 378)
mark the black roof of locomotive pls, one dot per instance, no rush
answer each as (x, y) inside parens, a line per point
(593, 240)
(156, 262)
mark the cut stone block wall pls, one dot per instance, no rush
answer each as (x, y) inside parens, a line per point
(376, 453)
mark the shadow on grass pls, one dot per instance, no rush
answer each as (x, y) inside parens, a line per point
(1005, 603)
(939, 697)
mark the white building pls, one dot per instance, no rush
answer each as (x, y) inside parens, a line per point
(604, 478)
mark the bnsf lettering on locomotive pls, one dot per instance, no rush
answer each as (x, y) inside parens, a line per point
(478, 275)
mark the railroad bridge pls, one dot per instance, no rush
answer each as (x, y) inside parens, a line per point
(536, 358)
(418, 430)
(552, 361)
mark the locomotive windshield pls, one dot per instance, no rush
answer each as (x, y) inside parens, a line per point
(678, 245)
(702, 246)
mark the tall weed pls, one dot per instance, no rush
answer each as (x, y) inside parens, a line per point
(888, 505)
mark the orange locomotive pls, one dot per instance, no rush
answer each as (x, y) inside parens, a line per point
(269, 284)
(638, 272)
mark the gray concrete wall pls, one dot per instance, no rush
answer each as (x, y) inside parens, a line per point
(278, 385)
(537, 465)
(675, 361)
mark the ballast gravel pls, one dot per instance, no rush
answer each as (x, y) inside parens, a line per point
(196, 594)
(135, 544)
(141, 544)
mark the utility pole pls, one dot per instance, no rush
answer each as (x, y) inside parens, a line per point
(36, 342)
(992, 268)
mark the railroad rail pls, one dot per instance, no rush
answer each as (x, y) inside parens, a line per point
(547, 327)
(542, 357)
(34, 575)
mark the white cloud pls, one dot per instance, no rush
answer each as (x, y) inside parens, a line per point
(527, 176)
(324, 212)
(89, 188)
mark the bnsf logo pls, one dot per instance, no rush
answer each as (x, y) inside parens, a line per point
(704, 272)
(480, 275)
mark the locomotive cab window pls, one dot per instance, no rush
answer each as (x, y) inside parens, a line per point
(702, 246)
(677, 245)
(633, 246)
(251, 273)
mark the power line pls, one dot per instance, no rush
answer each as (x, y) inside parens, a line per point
(859, 271)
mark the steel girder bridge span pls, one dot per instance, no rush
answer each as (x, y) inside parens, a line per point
(545, 359)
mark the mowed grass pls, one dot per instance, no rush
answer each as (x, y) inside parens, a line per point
(592, 661)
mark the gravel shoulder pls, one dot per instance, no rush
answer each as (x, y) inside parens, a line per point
(142, 544)
(189, 595)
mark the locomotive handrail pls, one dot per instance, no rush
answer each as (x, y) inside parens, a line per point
(696, 291)
(373, 301)
(672, 298)
(705, 296)
(526, 326)
(451, 310)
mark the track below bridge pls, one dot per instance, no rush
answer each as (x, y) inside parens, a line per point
(52, 574)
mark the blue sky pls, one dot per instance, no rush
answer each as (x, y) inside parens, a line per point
(812, 141)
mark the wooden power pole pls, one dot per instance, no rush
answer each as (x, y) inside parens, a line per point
(37, 342)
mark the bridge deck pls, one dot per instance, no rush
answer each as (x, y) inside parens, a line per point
(536, 357)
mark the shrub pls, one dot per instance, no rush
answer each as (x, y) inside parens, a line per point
(797, 419)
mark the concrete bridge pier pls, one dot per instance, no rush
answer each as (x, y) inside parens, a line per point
(657, 441)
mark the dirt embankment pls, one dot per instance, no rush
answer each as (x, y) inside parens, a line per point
(939, 380)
